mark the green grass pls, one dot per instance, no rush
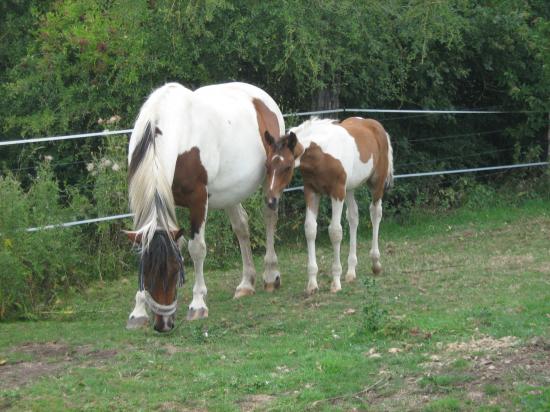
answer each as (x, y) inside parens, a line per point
(448, 279)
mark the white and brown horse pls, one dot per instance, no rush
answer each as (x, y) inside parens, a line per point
(199, 150)
(334, 159)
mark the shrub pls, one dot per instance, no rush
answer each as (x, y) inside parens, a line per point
(37, 265)
(110, 249)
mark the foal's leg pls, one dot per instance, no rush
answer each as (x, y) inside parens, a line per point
(239, 223)
(352, 215)
(375, 217)
(139, 316)
(197, 250)
(272, 276)
(335, 234)
(310, 226)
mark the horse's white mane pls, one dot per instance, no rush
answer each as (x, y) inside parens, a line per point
(150, 191)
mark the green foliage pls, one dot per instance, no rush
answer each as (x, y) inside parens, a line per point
(109, 246)
(36, 266)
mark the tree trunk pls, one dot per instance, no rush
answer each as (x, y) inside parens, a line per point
(326, 99)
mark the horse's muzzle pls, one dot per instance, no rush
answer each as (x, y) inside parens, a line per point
(164, 324)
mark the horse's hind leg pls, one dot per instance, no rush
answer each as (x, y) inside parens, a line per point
(197, 250)
(375, 217)
(335, 234)
(272, 276)
(352, 215)
(239, 223)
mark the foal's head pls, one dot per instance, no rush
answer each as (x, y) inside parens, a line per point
(161, 271)
(279, 166)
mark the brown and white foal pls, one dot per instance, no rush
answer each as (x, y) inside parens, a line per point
(334, 158)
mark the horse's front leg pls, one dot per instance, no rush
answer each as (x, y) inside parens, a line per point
(335, 234)
(138, 317)
(310, 226)
(197, 250)
(239, 223)
(272, 276)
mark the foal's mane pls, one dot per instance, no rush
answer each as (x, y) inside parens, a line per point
(312, 123)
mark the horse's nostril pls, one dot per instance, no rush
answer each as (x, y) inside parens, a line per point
(272, 203)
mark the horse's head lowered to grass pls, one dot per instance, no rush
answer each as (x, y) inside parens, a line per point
(161, 272)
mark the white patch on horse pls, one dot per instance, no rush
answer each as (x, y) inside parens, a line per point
(272, 180)
(281, 158)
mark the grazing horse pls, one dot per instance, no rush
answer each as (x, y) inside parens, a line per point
(196, 150)
(334, 158)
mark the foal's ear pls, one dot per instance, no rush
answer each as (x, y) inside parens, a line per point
(269, 139)
(134, 237)
(292, 141)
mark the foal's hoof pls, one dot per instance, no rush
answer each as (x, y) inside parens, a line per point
(377, 268)
(350, 277)
(194, 314)
(271, 286)
(335, 287)
(239, 293)
(137, 323)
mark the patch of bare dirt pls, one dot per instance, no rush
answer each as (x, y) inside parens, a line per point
(255, 402)
(507, 261)
(501, 364)
(48, 359)
(484, 343)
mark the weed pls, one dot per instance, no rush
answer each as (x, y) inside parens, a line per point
(374, 314)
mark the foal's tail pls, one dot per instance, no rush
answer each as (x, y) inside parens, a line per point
(150, 170)
(388, 184)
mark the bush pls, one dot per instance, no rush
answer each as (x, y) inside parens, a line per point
(37, 265)
(109, 247)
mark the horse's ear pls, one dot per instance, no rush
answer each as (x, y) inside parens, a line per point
(134, 237)
(292, 141)
(269, 139)
(176, 234)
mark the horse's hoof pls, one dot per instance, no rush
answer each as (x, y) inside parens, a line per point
(312, 291)
(137, 323)
(377, 268)
(194, 314)
(335, 288)
(239, 293)
(350, 277)
(271, 286)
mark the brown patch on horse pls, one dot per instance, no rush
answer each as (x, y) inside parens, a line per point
(322, 173)
(371, 140)
(267, 121)
(189, 187)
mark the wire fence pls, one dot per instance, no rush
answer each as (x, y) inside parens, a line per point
(299, 114)
(300, 188)
(296, 114)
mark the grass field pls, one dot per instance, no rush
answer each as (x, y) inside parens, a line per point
(458, 320)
